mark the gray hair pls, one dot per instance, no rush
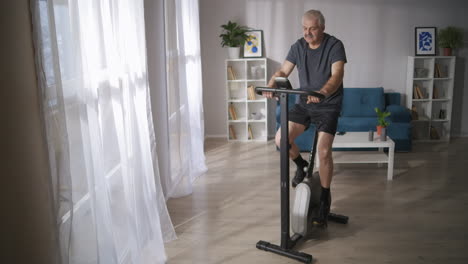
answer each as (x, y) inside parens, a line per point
(315, 14)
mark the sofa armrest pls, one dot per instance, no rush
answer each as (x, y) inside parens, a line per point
(392, 99)
(399, 114)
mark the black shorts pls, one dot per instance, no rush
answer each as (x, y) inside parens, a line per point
(325, 120)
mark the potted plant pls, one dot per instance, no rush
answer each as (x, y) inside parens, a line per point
(382, 123)
(450, 38)
(233, 36)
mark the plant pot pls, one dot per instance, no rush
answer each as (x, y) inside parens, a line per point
(382, 132)
(447, 52)
(233, 52)
(379, 130)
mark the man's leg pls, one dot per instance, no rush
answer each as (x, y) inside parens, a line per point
(324, 148)
(295, 129)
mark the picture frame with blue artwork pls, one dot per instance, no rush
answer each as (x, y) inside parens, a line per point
(425, 41)
(253, 46)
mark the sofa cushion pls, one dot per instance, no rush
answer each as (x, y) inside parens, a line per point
(353, 124)
(360, 102)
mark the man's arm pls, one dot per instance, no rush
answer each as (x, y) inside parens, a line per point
(284, 71)
(330, 87)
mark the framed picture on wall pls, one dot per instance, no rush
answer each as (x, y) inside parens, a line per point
(253, 47)
(425, 41)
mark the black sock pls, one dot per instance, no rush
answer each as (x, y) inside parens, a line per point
(300, 162)
(325, 194)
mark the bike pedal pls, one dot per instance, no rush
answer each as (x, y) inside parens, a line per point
(320, 224)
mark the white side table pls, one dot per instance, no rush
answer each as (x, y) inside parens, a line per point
(361, 140)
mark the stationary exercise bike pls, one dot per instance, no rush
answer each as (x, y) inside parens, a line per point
(308, 192)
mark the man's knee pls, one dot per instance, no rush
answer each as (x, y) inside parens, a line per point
(294, 131)
(325, 154)
(278, 138)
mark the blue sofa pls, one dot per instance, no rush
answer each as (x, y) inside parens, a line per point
(358, 115)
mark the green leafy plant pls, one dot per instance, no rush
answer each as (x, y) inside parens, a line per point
(233, 35)
(450, 37)
(381, 117)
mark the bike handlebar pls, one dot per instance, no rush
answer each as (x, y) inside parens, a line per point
(259, 91)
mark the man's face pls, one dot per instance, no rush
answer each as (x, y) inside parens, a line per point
(312, 31)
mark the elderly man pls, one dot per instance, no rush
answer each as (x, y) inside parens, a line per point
(320, 60)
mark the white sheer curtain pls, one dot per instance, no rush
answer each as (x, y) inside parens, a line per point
(91, 62)
(185, 101)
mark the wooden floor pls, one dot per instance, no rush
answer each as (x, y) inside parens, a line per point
(419, 217)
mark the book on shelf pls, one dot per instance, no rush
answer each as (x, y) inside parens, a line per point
(231, 73)
(434, 134)
(437, 71)
(415, 93)
(232, 112)
(418, 93)
(414, 113)
(435, 93)
(232, 132)
(251, 92)
(250, 132)
(421, 92)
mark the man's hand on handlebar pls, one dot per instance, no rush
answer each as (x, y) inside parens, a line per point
(313, 99)
(270, 95)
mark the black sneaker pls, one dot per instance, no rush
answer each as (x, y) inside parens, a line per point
(324, 210)
(299, 177)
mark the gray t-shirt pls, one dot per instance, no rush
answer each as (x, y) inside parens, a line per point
(314, 68)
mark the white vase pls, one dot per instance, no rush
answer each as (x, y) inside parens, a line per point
(233, 52)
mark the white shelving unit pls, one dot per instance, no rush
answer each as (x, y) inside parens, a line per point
(251, 114)
(432, 106)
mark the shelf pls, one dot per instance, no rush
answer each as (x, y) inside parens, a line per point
(433, 78)
(241, 75)
(359, 157)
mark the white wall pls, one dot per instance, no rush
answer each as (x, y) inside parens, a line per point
(26, 208)
(378, 36)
